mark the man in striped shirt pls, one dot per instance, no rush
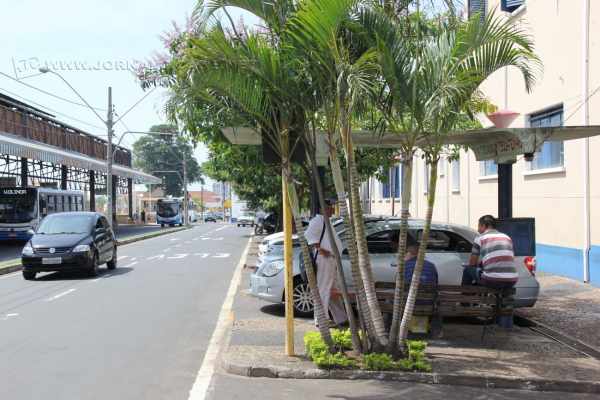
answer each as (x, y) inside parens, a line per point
(494, 250)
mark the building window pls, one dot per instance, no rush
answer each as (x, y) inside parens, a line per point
(455, 175)
(488, 168)
(511, 5)
(477, 7)
(391, 188)
(551, 155)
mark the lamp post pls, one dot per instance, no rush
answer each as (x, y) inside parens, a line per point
(109, 122)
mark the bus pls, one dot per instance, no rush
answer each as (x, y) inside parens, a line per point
(21, 209)
(169, 212)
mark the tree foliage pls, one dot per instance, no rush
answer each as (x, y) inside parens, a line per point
(166, 153)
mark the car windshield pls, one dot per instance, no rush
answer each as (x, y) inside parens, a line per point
(168, 210)
(62, 224)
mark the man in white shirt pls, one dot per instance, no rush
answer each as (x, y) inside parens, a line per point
(317, 236)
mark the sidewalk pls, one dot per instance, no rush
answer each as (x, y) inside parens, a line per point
(568, 306)
(520, 359)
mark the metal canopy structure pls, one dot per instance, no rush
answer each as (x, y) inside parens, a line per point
(498, 144)
(36, 149)
(13, 145)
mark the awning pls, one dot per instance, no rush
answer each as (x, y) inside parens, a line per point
(17, 146)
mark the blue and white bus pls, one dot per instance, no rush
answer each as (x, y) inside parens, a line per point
(169, 212)
(21, 209)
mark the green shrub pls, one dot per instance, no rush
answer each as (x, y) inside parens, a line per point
(331, 361)
(314, 344)
(342, 338)
(416, 349)
(421, 366)
(378, 362)
(318, 353)
(404, 365)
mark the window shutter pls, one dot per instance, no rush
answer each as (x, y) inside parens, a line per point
(511, 5)
(478, 6)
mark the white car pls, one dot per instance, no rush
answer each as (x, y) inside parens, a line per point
(449, 248)
(245, 219)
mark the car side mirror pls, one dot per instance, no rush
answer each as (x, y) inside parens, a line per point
(30, 232)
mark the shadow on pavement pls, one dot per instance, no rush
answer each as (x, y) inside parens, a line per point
(71, 276)
(278, 310)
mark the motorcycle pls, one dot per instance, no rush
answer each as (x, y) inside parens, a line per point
(266, 225)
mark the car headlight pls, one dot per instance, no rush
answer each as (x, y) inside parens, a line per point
(82, 248)
(27, 250)
(272, 268)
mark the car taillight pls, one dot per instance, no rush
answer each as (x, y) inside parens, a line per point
(530, 264)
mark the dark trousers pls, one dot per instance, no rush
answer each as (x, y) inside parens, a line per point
(472, 276)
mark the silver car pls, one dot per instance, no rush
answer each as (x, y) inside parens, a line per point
(449, 248)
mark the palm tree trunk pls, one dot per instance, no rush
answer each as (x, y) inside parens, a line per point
(322, 319)
(414, 284)
(404, 214)
(363, 252)
(338, 258)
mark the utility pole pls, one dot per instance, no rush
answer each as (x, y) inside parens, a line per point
(109, 159)
(185, 192)
(202, 202)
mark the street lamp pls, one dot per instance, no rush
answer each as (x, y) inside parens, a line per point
(109, 122)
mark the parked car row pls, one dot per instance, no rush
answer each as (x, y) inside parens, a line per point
(448, 248)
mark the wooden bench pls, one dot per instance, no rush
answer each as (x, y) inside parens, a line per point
(445, 301)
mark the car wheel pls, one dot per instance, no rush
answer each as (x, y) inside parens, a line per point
(303, 303)
(28, 275)
(95, 268)
(162, 225)
(112, 264)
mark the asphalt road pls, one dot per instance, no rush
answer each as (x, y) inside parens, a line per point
(12, 250)
(139, 332)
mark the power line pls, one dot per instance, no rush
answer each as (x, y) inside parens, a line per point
(582, 103)
(51, 110)
(49, 93)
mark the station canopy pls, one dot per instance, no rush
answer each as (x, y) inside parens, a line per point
(499, 144)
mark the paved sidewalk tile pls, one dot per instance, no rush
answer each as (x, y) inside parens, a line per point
(568, 306)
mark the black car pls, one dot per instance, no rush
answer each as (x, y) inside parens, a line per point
(210, 218)
(70, 241)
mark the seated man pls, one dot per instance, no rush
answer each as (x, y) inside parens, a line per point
(429, 276)
(494, 251)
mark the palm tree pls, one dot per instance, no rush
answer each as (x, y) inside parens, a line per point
(454, 62)
(260, 80)
(315, 31)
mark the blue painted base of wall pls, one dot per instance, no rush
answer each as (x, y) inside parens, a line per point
(568, 262)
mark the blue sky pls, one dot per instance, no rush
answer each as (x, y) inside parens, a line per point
(105, 35)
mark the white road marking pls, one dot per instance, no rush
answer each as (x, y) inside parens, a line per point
(218, 238)
(221, 255)
(205, 238)
(7, 316)
(177, 256)
(202, 255)
(223, 227)
(58, 296)
(203, 378)
(158, 256)
(121, 257)
(174, 239)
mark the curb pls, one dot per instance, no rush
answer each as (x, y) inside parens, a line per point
(15, 265)
(480, 381)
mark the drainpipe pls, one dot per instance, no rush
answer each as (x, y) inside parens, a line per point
(468, 187)
(586, 142)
